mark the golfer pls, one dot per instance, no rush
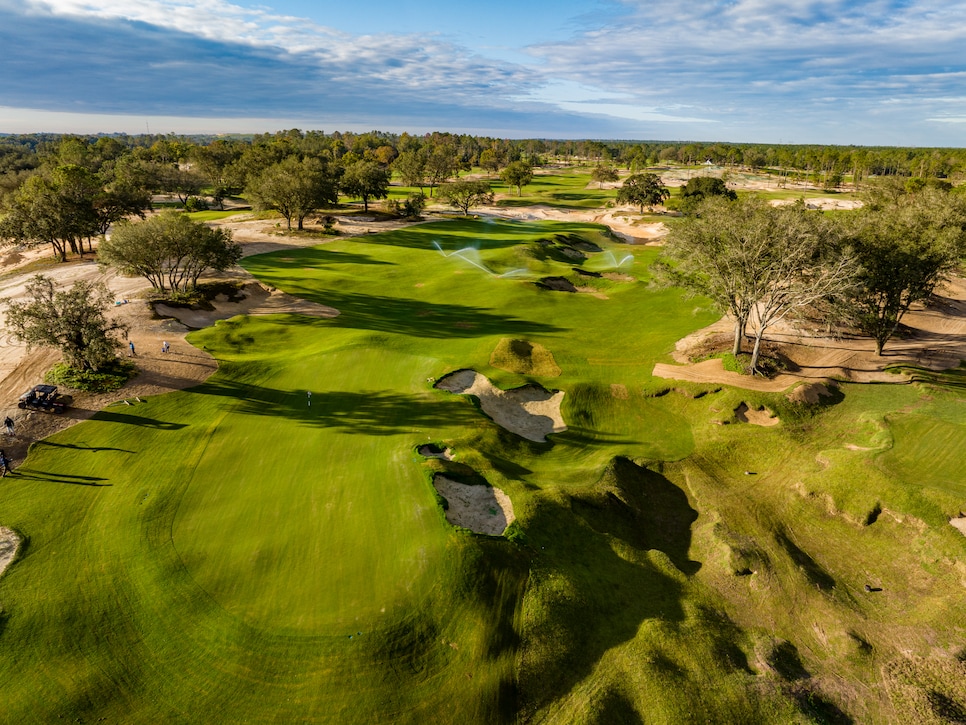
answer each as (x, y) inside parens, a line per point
(8, 424)
(4, 464)
(308, 397)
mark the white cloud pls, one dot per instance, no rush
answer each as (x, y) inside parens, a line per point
(760, 63)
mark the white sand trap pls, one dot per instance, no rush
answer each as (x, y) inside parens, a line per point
(756, 417)
(483, 509)
(10, 543)
(257, 301)
(959, 522)
(531, 411)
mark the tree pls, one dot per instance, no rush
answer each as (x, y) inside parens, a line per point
(441, 163)
(366, 180)
(906, 248)
(295, 188)
(604, 173)
(169, 250)
(70, 320)
(411, 167)
(465, 194)
(806, 264)
(642, 190)
(218, 162)
(55, 207)
(702, 187)
(759, 263)
(489, 160)
(124, 194)
(518, 174)
(411, 208)
(180, 180)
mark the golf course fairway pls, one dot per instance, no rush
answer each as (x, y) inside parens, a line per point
(268, 547)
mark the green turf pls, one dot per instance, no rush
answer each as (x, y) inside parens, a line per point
(233, 553)
(566, 189)
(215, 215)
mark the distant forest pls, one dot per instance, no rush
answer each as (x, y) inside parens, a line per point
(231, 157)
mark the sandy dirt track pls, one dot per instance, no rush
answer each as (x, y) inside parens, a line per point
(936, 340)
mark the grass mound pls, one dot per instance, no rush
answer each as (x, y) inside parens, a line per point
(524, 358)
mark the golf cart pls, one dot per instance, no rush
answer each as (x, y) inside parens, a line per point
(45, 398)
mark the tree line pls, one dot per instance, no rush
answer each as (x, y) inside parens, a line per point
(225, 164)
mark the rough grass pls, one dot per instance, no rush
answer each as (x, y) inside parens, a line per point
(234, 551)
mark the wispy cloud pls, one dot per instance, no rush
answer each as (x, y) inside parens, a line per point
(770, 64)
(211, 57)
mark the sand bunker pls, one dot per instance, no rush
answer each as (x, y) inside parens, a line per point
(531, 412)
(762, 417)
(959, 522)
(809, 393)
(10, 543)
(483, 509)
(524, 358)
(256, 301)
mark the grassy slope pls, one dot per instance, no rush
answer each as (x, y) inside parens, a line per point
(233, 538)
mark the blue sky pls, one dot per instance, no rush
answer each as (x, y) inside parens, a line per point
(889, 72)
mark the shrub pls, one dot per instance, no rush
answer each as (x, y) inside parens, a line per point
(109, 378)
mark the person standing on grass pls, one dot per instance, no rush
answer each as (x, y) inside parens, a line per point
(8, 424)
(308, 394)
(4, 464)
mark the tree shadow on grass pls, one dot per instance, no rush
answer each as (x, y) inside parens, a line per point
(315, 257)
(591, 600)
(33, 474)
(138, 420)
(420, 319)
(375, 412)
(447, 235)
(81, 447)
(812, 570)
(642, 508)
